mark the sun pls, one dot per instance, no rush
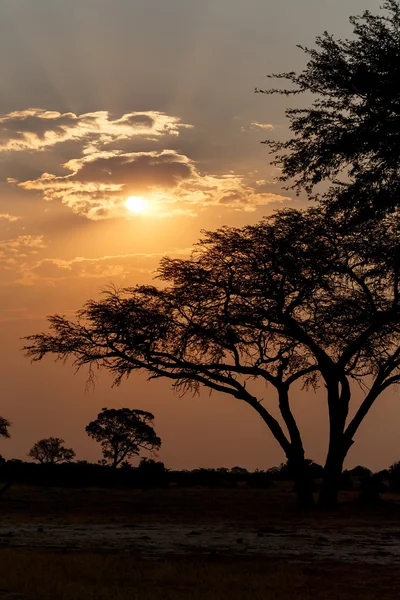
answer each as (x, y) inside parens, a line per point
(136, 204)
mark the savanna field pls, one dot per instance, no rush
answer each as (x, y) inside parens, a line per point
(75, 544)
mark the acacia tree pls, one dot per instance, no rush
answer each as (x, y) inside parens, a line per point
(293, 298)
(122, 433)
(350, 136)
(4, 426)
(51, 451)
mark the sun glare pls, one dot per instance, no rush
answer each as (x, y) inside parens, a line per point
(136, 204)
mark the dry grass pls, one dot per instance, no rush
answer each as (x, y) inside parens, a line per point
(241, 505)
(72, 575)
(50, 576)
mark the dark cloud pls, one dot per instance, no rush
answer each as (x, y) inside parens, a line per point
(18, 128)
(139, 119)
(139, 170)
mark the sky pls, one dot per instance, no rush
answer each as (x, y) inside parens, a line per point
(105, 100)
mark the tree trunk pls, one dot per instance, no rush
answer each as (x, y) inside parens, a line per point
(328, 497)
(338, 404)
(297, 464)
(302, 481)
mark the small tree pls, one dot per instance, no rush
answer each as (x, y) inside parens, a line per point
(122, 433)
(4, 426)
(51, 451)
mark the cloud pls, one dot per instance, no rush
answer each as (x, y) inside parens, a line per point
(53, 270)
(231, 190)
(99, 184)
(97, 181)
(9, 218)
(141, 169)
(13, 250)
(38, 129)
(267, 126)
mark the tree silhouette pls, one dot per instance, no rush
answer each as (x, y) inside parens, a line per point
(51, 451)
(296, 297)
(122, 433)
(4, 426)
(350, 136)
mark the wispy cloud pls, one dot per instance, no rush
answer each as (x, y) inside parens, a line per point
(122, 266)
(38, 129)
(267, 126)
(9, 218)
(15, 249)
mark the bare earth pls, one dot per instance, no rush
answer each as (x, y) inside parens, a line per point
(196, 544)
(364, 545)
(163, 523)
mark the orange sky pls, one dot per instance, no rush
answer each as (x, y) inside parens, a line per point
(105, 100)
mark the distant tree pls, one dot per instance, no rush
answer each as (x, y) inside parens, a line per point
(4, 427)
(51, 451)
(350, 135)
(296, 297)
(122, 433)
(239, 471)
(361, 472)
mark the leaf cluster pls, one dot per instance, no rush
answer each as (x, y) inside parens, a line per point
(350, 135)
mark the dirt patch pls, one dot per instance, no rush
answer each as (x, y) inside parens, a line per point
(372, 545)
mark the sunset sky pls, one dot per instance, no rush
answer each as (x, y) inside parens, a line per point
(105, 100)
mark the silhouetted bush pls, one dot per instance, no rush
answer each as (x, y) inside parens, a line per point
(152, 473)
(354, 479)
(284, 471)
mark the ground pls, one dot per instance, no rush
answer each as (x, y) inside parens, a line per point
(73, 544)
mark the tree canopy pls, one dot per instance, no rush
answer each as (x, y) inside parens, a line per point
(4, 427)
(350, 135)
(51, 451)
(122, 433)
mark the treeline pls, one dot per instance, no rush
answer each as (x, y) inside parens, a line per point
(122, 434)
(152, 473)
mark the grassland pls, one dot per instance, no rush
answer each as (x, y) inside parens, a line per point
(241, 505)
(49, 576)
(72, 573)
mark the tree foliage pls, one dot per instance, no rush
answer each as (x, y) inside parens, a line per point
(350, 136)
(51, 451)
(122, 433)
(295, 297)
(4, 427)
